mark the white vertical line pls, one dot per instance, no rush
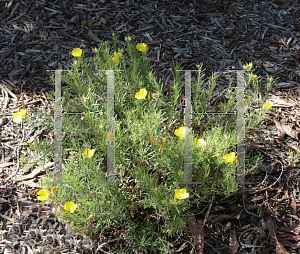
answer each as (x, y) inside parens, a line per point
(110, 128)
(240, 129)
(188, 137)
(57, 130)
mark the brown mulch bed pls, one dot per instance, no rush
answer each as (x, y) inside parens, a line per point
(39, 35)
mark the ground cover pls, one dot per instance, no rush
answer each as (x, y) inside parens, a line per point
(149, 139)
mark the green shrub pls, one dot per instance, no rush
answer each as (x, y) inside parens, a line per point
(149, 147)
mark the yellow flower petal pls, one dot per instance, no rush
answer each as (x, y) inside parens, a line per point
(248, 67)
(53, 190)
(89, 153)
(182, 131)
(230, 157)
(269, 104)
(141, 94)
(76, 52)
(115, 59)
(118, 54)
(18, 117)
(181, 194)
(201, 142)
(142, 47)
(42, 194)
(70, 207)
(23, 112)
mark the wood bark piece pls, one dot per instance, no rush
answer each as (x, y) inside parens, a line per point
(197, 232)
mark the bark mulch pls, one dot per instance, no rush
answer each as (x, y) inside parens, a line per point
(38, 35)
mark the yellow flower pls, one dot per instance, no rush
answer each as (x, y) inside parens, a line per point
(269, 104)
(76, 52)
(142, 47)
(182, 131)
(115, 59)
(254, 76)
(116, 56)
(218, 155)
(181, 194)
(18, 117)
(248, 67)
(70, 207)
(201, 142)
(230, 157)
(141, 94)
(42, 194)
(154, 95)
(53, 190)
(89, 153)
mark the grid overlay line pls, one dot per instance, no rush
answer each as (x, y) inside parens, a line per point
(240, 131)
(57, 130)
